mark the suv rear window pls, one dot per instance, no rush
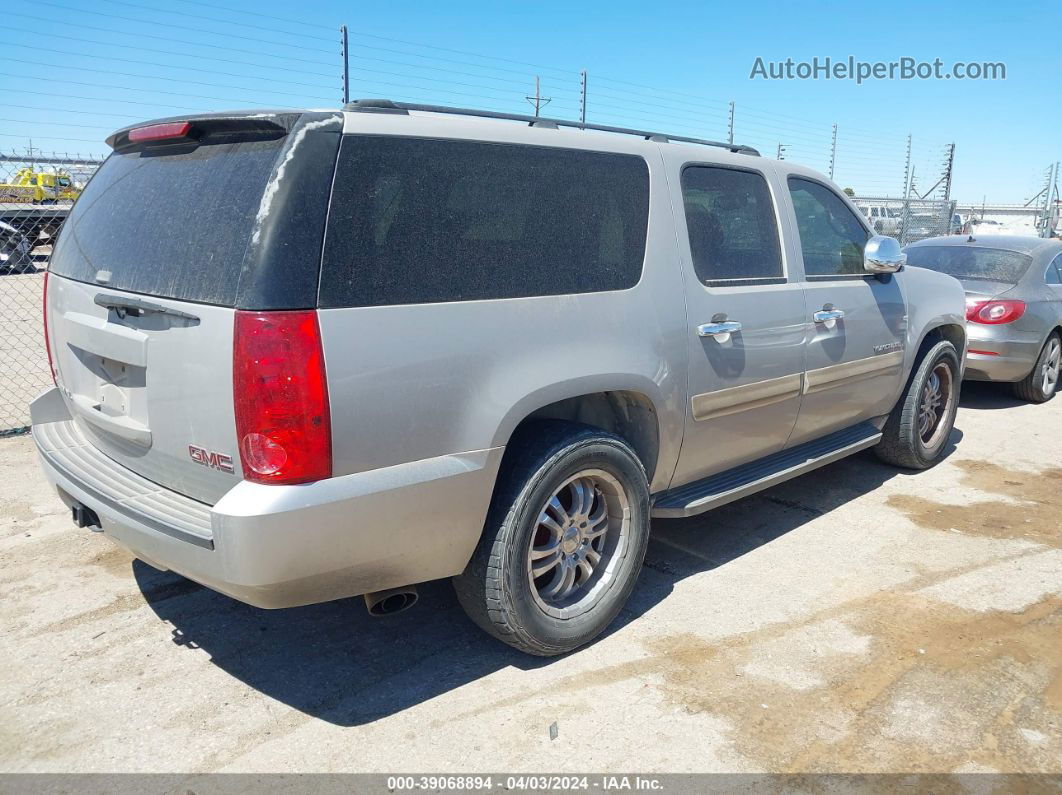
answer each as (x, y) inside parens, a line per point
(422, 220)
(169, 225)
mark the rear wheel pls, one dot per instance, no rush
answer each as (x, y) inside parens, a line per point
(918, 428)
(564, 540)
(1040, 385)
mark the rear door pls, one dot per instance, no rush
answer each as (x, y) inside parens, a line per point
(163, 246)
(746, 321)
(856, 322)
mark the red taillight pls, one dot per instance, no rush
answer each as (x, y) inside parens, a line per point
(994, 312)
(47, 337)
(281, 397)
(159, 132)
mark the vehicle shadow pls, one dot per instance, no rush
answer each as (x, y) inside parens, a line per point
(982, 395)
(335, 662)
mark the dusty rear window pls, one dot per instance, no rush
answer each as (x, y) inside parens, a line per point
(970, 262)
(169, 225)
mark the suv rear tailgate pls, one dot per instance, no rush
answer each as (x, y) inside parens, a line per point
(152, 390)
(167, 242)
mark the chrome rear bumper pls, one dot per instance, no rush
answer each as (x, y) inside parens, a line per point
(282, 546)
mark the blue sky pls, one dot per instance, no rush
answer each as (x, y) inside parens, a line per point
(75, 70)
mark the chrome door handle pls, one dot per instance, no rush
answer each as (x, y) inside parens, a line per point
(721, 331)
(828, 315)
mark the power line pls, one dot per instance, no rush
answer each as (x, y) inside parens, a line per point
(69, 110)
(178, 27)
(243, 12)
(50, 138)
(99, 99)
(68, 124)
(164, 65)
(242, 22)
(170, 40)
(184, 81)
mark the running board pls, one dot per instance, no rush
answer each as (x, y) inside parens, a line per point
(733, 484)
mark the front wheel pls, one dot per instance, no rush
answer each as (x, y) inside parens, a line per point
(564, 540)
(916, 432)
(1040, 385)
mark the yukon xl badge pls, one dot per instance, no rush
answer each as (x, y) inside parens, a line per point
(218, 461)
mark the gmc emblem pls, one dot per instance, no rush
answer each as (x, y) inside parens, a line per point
(218, 461)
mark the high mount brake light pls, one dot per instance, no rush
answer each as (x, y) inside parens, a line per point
(993, 313)
(281, 397)
(160, 132)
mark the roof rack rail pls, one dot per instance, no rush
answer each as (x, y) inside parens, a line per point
(387, 106)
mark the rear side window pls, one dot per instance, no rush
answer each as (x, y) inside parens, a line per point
(831, 236)
(1054, 271)
(731, 225)
(421, 220)
(169, 225)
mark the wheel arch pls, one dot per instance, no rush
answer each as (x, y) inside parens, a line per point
(627, 409)
(955, 333)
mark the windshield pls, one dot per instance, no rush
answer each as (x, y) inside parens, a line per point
(969, 262)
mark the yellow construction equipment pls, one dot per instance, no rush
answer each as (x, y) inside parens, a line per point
(39, 187)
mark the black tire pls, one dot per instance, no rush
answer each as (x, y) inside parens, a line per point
(1031, 387)
(495, 589)
(901, 442)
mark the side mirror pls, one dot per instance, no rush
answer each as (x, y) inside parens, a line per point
(883, 255)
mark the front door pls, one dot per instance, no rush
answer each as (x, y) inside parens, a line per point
(746, 319)
(857, 322)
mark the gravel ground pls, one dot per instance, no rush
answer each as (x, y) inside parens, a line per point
(856, 619)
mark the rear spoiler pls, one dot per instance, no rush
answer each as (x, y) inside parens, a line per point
(197, 128)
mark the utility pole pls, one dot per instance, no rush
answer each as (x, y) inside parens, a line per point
(1057, 207)
(346, 64)
(582, 97)
(781, 152)
(538, 100)
(730, 125)
(908, 178)
(833, 150)
(907, 174)
(1045, 214)
(949, 162)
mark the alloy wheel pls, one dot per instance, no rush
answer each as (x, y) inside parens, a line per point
(1050, 370)
(935, 404)
(581, 534)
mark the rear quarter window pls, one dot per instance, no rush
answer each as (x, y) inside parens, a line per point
(425, 220)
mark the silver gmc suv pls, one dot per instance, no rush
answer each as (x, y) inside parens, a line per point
(307, 356)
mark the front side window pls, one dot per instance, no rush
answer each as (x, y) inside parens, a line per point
(730, 219)
(416, 220)
(831, 236)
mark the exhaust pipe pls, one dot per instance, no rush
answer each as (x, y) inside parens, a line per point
(393, 600)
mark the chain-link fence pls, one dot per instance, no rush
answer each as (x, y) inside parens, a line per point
(36, 193)
(909, 220)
